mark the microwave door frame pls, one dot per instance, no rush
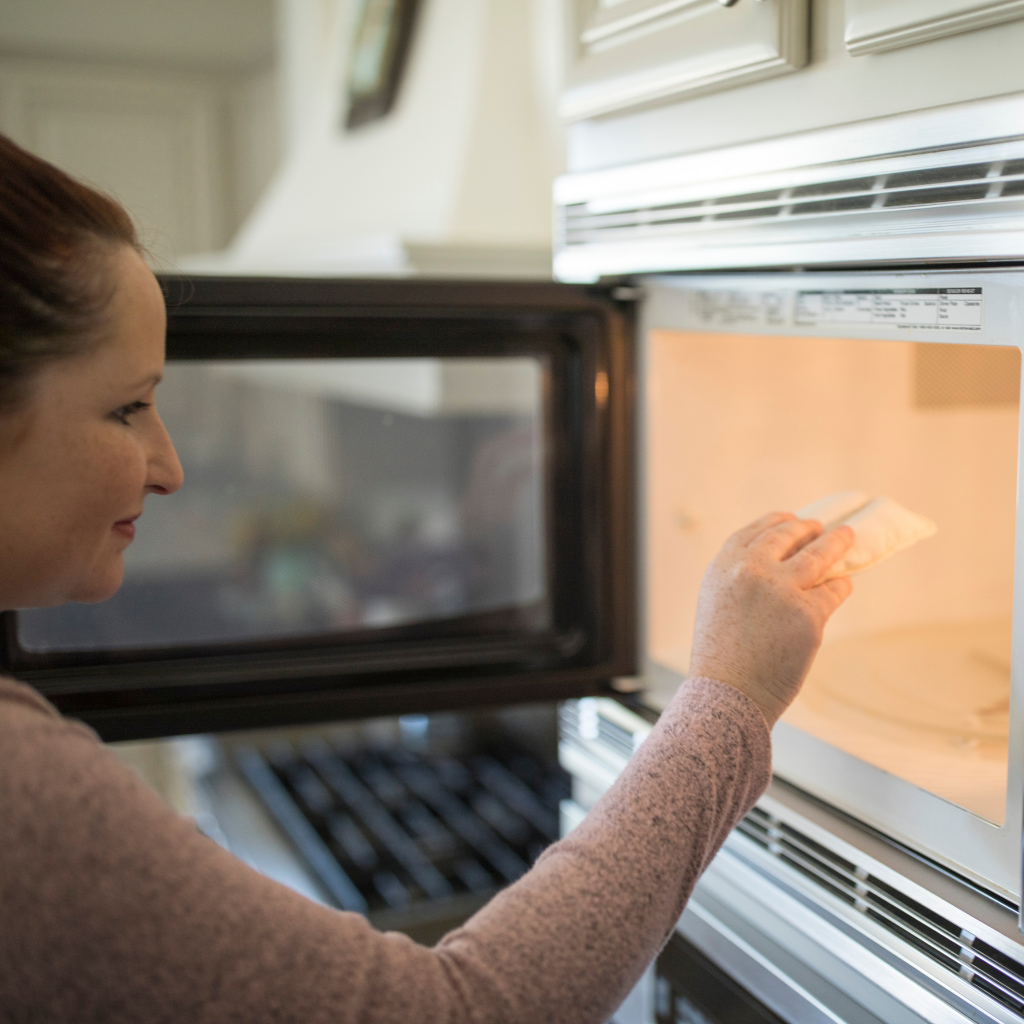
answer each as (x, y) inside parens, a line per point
(589, 531)
(960, 842)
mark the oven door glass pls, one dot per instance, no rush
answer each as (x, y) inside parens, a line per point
(332, 496)
(904, 391)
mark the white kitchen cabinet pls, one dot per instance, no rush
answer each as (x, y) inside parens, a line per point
(625, 53)
(873, 26)
(836, 87)
(154, 140)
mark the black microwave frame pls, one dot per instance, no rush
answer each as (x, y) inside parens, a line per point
(586, 336)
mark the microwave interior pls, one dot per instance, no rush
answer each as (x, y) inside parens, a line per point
(914, 675)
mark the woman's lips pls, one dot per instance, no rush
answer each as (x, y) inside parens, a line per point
(126, 527)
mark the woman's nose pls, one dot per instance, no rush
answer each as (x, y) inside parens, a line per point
(165, 472)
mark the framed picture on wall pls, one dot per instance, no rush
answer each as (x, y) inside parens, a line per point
(380, 48)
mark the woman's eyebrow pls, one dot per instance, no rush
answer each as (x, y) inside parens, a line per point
(151, 381)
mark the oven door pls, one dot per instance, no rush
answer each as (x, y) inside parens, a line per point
(400, 496)
(767, 391)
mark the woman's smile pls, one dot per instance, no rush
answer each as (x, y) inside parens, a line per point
(126, 527)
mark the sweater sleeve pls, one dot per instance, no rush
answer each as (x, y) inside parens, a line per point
(116, 909)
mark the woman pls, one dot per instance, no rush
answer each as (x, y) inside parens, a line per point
(115, 909)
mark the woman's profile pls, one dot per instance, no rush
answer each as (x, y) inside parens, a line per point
(116, 909)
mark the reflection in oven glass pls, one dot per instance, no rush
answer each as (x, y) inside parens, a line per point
(914, 674)
(331, 495)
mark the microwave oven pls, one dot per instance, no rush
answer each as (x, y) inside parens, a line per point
(410, 496)
(413, 495)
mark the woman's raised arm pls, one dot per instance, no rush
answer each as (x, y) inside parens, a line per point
(115, 909)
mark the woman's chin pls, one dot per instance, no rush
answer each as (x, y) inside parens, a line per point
(99, 587)
(90, 587)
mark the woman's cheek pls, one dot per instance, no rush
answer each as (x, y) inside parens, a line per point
(124, 474)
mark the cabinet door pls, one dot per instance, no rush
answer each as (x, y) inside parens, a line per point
(873, 26)
(623, 53)
(399, 496)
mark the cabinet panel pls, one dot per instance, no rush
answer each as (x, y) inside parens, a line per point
(623, 53)
(835, 88)
(155, 140)
(873, 26)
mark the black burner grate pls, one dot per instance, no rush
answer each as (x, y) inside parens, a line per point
(391, 829)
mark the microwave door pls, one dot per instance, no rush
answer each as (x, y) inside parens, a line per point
(399, 496)
(770, 391)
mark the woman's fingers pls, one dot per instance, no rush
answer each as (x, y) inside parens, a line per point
(812, 561)
(785, 538)
(832, 593)
(750, 533)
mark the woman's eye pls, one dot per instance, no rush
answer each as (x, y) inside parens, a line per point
(123, 414)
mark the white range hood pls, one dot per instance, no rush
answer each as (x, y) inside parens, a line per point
(455, 181)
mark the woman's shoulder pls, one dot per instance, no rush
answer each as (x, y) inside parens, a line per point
(14, 694)
(23, 709)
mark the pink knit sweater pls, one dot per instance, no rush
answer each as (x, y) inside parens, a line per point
(115, 909)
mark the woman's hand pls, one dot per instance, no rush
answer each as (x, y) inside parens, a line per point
(763, 607)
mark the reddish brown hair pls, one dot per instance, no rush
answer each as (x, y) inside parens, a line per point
(55, 237)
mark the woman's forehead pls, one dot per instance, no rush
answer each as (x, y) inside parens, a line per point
(137, 320)
(128, 358)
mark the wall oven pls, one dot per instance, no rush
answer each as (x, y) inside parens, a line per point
(842, 305)
(862, 323)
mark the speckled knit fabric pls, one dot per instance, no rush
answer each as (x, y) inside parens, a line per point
(114, 909)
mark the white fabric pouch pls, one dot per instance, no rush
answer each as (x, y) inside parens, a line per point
(882, 528)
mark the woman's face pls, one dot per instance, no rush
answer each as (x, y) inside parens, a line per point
(79, 457)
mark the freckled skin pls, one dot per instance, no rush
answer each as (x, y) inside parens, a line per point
(75, 460)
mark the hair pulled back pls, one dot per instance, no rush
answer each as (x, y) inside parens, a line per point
(56, 235)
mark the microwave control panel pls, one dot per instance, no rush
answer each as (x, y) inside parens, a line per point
(953, 309)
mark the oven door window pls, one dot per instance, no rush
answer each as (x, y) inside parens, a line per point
(914, 673)
(399, 496)
(328, 497)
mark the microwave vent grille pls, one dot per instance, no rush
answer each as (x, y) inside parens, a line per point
(583, 720)
(951, 945)
(986, 968)
(944, 185)
(989, 183)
